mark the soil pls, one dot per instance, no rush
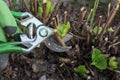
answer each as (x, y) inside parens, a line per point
(44, 64)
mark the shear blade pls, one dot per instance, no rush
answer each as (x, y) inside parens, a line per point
(65, 39)
(54, 47)
(51, 43)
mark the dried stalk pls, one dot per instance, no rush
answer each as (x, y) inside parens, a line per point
(35, 6)
(104, 43)
(109, 6)
(99, 20)
(57, 6)
(116, 31)
(78, 36)
(55, 23)
(65, 17)
(89, 16)
(56, 33)
(44, 6)
(60, 40)
(88, 34)
(26, 5)
(78, 51)
(88, 38)
(114, 44)
(57, 19)
(82, 15)
(109, 20)
(64, 60)
(10, 4)
(99, 23)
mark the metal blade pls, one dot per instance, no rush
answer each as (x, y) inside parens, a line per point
(67, 37)
(51, 43)
(54, 47)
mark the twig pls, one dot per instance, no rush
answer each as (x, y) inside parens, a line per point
(56, 33)
(60, 40)
(88, 66)
(117, 71)
(99, 20)
(109, 20)
(35, 7)
(60, 74)
(78, 51)
(44, 6)
(65, 17)
(10, 4)
(88, 38)
(79, 37)
(57, 19)
(82, 15)
(99, 24)
(64, 60)
(26, 6)
(57, 6)
(104, 43)
(89, 16)
(55, 23)
(109, 6)
(116, 31)
(114, 44)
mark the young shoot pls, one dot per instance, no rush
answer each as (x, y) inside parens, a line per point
(98, 59)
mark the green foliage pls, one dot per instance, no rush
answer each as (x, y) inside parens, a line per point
(97, 30)
(82, 70)
(112, 63)
(49, 7)
(98, 59)
(40, 11)
(94, 11)
(110, 29)
(62, 29)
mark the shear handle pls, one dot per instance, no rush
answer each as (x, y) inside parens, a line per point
(10, 47)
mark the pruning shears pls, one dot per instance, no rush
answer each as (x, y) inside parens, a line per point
(43, 34)
(22, 42)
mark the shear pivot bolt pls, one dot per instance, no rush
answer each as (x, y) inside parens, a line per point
(43, 32)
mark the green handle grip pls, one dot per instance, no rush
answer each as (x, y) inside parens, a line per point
(9, 43)
(10, 47)
(16, 14)
(7, 20)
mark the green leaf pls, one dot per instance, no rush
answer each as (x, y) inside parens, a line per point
(51, 8)
(112, 63)
(62, 29)
(82, 70)
(110, 29)
(40, 11)
(48, 6)
(98, 59)
(99, 29)
(95, 53)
